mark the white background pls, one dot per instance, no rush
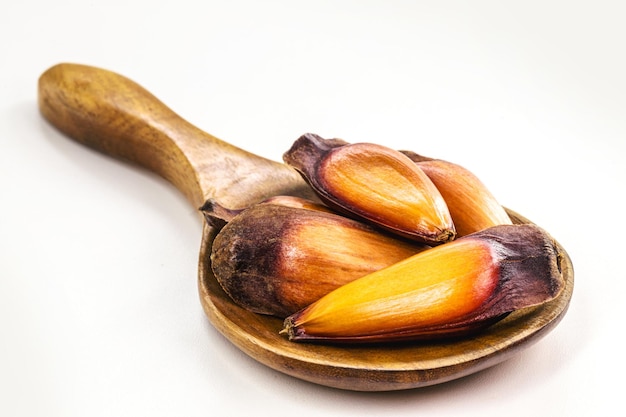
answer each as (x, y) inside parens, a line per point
(99, 313)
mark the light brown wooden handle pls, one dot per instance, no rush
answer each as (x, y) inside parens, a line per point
(115, 115)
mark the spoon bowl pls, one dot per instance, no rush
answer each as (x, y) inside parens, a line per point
(110, 113)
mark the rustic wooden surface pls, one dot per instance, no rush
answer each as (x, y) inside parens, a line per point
(114, 115)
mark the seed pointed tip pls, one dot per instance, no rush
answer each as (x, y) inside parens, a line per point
(287, 330)
(448, 235)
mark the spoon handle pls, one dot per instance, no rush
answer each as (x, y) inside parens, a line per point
(110, 113)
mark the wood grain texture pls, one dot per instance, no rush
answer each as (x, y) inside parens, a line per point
(385, 367)
(114, 115)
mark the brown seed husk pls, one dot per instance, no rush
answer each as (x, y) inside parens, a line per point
(524, 267)
(472, 206)
(276, 259)
(375, 184)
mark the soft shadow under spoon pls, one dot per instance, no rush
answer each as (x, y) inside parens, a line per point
(114, 115)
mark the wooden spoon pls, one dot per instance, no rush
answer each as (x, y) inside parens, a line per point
(114, 115)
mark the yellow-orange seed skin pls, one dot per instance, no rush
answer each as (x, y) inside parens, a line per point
(439, 286)
(472, 206)
(386, 186)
